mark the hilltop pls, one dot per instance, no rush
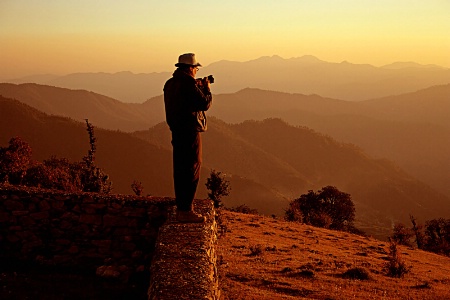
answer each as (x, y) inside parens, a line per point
(266, 258)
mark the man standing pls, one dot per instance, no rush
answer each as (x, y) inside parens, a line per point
(186, 99)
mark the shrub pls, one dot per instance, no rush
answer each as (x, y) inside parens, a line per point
(256, 250)
(327, 207)
(418, 232)
(356, 273)
(137, 187)
(16, 167)
(55, 173)
(402, 235)
(395, 267)
(14, 161)
(437, 234)
(93, 179)
(244, 209)
(217, 186)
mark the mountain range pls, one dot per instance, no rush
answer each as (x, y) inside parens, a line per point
(268, 162)
(411, 129)
(305, 75)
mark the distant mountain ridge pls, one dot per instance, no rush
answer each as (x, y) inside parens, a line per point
(305, 75)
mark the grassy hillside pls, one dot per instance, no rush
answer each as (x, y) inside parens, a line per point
(265, 258)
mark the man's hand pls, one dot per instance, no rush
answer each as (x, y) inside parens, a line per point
(204, 83)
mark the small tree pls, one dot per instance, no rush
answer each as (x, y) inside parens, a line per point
(328, 207)
(217, 186)
(401, 234)
(93, 179)
(418, 232)
(395, 267)
(437, 232)
(14, 161)
(137, 187)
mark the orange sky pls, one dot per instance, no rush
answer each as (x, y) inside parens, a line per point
(60, 37)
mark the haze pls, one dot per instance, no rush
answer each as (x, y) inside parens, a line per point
(61, 37)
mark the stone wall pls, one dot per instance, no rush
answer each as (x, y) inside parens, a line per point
(184, 266)
(112, 234)
(115, 235)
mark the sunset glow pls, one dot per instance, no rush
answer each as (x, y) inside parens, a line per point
(60, 37)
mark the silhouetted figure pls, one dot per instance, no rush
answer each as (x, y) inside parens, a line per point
(186, 99)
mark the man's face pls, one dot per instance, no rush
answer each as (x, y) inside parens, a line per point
(194, 70)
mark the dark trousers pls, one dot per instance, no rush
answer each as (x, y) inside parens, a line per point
(187, 160)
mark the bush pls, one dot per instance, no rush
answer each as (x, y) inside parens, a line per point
(54, 173)
(14, 161)
(402, 235)
(137, 188)
(256, 250)
(437, 236)
(244, 209)
(16, 167)
(217, 186)
(328, 207)
(395, 267)
(356, 273)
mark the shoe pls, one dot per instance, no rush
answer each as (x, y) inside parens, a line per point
(189, 217)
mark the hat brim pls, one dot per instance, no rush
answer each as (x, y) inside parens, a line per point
(182, 64)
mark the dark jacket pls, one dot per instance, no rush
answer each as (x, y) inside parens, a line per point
(186, 103)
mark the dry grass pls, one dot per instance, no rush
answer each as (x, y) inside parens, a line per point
(265, 258)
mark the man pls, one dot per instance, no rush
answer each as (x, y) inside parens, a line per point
(186, 99)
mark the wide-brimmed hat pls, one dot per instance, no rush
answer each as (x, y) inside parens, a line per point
(187, 59)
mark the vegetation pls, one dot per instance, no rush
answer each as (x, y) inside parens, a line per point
(395, 267)
(243, 209)
(402, 235)
(327, 208)
(433, 237)
(17, 167)
(137, 188)
(218, 187)
(14, 161)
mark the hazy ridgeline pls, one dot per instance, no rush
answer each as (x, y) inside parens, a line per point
(390, 154)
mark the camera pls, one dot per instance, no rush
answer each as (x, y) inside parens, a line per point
(210, 78)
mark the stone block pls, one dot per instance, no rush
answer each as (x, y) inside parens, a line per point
(4, 217)
(102, 243)
(91, 219)
(115, 221)
(20, 213)
(13, 205)
(44, 205)
(27, 221)
(40, 215)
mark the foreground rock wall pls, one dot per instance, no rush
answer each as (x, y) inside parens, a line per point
(114, 234)
(185, 263)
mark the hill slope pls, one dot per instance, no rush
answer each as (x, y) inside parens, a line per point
(123, 157)
(103, 111)
(303, 262)
(412, 129)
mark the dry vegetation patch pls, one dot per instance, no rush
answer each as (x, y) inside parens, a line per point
(265, 258)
